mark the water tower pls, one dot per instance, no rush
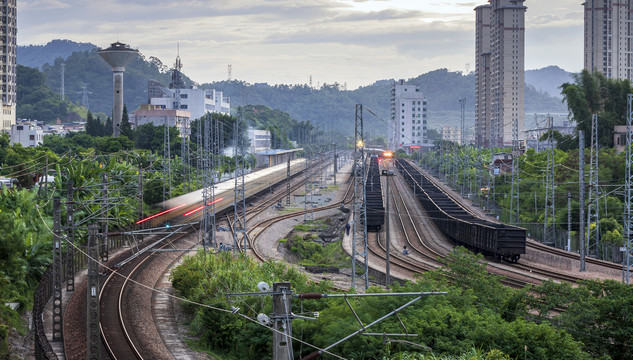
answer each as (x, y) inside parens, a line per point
(117, 55)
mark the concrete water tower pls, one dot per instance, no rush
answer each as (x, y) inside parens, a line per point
(117, 55)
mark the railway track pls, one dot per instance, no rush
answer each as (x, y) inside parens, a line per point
(530, 244)
(119, 338)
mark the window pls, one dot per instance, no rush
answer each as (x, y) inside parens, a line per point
(31, 137)
(183, 96)
(183, 106)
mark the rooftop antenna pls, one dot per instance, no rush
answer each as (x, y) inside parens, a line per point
(230, 69)
(117, 56)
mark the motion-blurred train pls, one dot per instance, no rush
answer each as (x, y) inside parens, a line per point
(188, 207)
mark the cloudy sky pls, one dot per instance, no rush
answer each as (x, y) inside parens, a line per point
(353, 42)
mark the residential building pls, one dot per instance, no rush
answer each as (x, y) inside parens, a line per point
(156, 115)
(8, 64)
(499, 71)
(408, 117)
(27, 134)
(451, 133)
(608, 38)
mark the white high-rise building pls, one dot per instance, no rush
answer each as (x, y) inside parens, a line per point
(408, 117)
(197, 102)
(499, 71)
(608, 38)
(8, 64)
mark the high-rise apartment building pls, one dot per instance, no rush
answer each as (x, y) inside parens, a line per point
(8, 64)
(499, 71)
(408, 117)
(608, 38)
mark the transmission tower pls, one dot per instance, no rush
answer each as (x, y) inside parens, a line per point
(462, 103)
(208, 193)
(359, 205)
(239, 233)
(229, 71)
(549, 233)
(628, 198)
(514, 194)
(167, 159)
(593, 234)
(184, 154)
(84, 96)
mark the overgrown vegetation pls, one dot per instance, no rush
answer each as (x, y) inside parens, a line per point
(477, 313)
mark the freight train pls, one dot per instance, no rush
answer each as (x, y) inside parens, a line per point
(502, 241)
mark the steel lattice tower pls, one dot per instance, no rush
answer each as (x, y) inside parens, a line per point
(514, 194)
(184, 155)
(167, 159)
(239, 233)
(208, 215)
(549, 232)
(359, 205)
(593, 214)
(628, 198)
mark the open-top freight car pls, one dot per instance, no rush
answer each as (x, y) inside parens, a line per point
(505, 242)
(373, 196)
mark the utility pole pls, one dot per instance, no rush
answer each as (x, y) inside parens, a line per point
(140, 193)
(581, 196)
(240, 171)
(387, 237)
(335, 164)
(288, 183)
(549, 232)
(93, 338)
(70, 231)
(105, 206)
(462, 103)
(207, 183)
(568, 247)
(593, 234)
(167, 158)
(282, 321)
(58, 328)
(516, 180)
(359, 207)
(628, 198)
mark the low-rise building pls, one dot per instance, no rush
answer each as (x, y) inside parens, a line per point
(259, 140)
(151, 114)
(27, 134)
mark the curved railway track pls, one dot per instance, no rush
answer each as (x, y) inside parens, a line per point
(119, 340)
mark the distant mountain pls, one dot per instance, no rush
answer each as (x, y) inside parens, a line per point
(329, 107)
(548, 79)
(37, 55)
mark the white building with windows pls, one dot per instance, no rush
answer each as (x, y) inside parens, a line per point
(259, 140)
(408, 117)
(8, 68)
(148, 114)
(452, 133)
(29, 135)
(197, 102)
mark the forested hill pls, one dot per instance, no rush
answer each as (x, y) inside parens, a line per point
(328, 106)
(37, 55)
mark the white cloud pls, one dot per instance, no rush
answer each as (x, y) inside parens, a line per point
(285, 41)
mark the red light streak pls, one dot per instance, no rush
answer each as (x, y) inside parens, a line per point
(202, 207)
(159, 214)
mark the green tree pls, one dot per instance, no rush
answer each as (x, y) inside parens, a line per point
(107, 128)
(593, 93)
(93, 126)
(126, 127)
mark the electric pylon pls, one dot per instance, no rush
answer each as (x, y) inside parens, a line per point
(359, 205)
(628, 198)
(514, 194)
(239, 233)
(549, 231)
(593, 214)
